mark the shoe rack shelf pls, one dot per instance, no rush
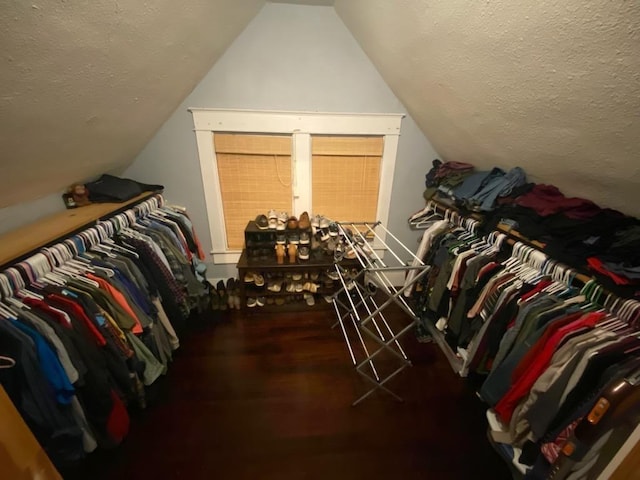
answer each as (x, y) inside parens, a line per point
(269, 269)
(373, 339)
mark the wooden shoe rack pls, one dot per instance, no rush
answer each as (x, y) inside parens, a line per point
(259, 258)
(270, 270)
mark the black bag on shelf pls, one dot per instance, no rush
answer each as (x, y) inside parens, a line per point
(109, 188)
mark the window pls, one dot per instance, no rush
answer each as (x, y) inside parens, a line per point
(254, 171)
(338, 165)
(345, 177)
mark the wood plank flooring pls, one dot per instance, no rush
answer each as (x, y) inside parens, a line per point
(269, 397)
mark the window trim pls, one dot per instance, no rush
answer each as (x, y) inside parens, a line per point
(301, 126)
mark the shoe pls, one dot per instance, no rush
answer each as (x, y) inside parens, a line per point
(270, 301)
(292, 223)
(290, 287)
(309, 299)
(214, 298)
(315, 221)
(328, 298)
(310, 287)
(350, 253)
(298, 287)
(303, 253)
(251, 302)
(314, 275)
(324, 222)
(296, 276)
(279, 301)
(304, 223)
(315, 242)
(236, 295)
(262, 222)
(260, 301)
(294, 238)
(222, 292)
(281, 238)
(258, 279)
(292, 250)
(333, 275)
(283, 217)
(324, 234)
(248, 277)
(274, 286)
(231, 289)
(273, 219)
(280, 253)
(334, 230)
(304, 238)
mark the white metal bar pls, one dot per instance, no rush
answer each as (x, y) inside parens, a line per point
(400, 243)
(344, 333)
(366, 350)
(385, 244)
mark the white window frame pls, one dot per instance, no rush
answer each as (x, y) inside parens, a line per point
(301, 126)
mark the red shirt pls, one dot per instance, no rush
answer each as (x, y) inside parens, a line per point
(507, 404)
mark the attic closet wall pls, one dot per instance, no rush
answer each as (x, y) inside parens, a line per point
(288, 58)
(18, 215)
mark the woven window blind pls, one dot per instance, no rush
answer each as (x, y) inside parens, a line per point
(346, 177)
(255, 176)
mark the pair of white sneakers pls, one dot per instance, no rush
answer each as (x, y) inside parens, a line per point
(277, 220)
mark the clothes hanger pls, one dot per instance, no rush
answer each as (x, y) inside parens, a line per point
(7, 313)
(27, 293)
(428, 208)
(7, 362)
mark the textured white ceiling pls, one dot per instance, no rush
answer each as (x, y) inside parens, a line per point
(551, 86)
(86, 84)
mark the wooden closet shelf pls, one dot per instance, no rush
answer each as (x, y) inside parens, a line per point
(16, 244)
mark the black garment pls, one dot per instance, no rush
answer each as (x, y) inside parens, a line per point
(51, 423)
(114, 189)
(94, 392)
(463, 327)
(430, 179)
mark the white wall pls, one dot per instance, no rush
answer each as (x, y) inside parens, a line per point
(288, 58)
(24, 213)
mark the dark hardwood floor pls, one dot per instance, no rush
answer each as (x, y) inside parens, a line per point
(268, 396)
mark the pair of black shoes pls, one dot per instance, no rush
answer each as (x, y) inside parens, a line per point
(219, 296)
(225, 297)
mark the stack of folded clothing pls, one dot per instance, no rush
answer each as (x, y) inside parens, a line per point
(481, 190)
(576, 231)
(445, 176)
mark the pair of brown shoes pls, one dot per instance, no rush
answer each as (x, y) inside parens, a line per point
(303, 224)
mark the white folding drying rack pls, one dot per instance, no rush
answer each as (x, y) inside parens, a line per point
(360, 315)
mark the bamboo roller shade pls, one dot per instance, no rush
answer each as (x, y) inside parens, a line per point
(347, 146)
(346, 177)
(248, 144)
(255, 176)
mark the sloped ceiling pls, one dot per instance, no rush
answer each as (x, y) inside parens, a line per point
(86, 84)
(553, 87)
